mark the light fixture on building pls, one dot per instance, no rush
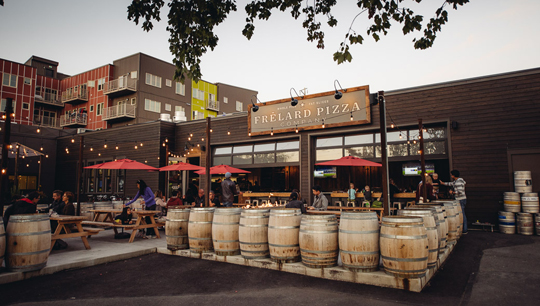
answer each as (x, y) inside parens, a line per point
(294, 101)
(352, 117)
(392, 125)
(249, 133)
(105, 145)
(228, 132)
(338, 93)
(141, 144)
(116, 146)
(91, 149)
(296, 130)
(254, 107)
(272, 131)
(323, 123)
(72, 140)
(38, 130)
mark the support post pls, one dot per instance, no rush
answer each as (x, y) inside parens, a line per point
(422, 159)
(384, 153)
(39, 172)
(79, 175)
(5, 193)
(207, 165)
(166, 190)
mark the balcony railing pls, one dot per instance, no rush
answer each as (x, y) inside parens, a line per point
(73, 120)
(46, 121)
(122, 111)
(121, 86)
(75, 97)
(49, 98)
(212, 105)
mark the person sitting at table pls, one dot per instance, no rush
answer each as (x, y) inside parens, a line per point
(189, 198)
(214, 201)
(69, 208)
(320, 202)
(57, 204)
(125, 217)
(160, 203)
(367, 196)
(199, 200)
(174, 200)
(295, 203)
(429, 189)
(149, 203)
(351, 198)
(27, 205)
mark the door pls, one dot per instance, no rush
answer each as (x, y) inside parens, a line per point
(525, 160)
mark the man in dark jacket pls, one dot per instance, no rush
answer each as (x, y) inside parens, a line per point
(228, 190)
(57, 204)
(295, 203)
(26, 205)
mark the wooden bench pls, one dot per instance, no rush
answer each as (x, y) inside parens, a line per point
(108, 224)
(92, 230)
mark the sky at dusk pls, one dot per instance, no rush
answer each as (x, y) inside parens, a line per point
(481, 38)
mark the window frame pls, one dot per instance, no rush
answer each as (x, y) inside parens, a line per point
(9, 79)
(180, 90)
(153, 80)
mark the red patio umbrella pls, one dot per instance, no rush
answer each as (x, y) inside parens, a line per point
(222, 169)
(181, 166)
(349, 161)
(122, 164)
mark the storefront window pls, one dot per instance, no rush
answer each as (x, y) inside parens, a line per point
(392, 137)
(394, 150)
(358, 139)
(329, 142)
(287, 157)
(222, 160)
(108, 180)
(264, 158)
(433, 133)
(329, 154)
(243, 149)
(264, 147)
(361, 152)
(222, 151)
(290, 145)
(242, 159)
(121, 180)
(430, 147)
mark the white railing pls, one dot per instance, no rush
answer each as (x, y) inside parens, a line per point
(212, 105)
(121, 83)
(78, 95)
(73, 119)
(48, 98)
(117, 111)
(46, 121)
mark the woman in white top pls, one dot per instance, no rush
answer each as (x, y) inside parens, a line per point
(160, 200)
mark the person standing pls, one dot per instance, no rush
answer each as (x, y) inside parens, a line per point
(228, 190)
(149, 203)
(458, 185)
(320, 202)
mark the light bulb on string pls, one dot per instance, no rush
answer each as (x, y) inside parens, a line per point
(228, 132)
(408, 142)
(163, 144)
(91, 149)
(352, 117)
(249, 133)
(141, 144)
(400, 136)
(189, 138)
(38, 130)
(72, 140)
(27, 165)
(296, 129)
(198, 145)
(41, 148)
(419, 137)
(392, 125)
(414, 141)
(105, 145)
(99, 154)
(190, 135)
(136, 147)
(211, 130)
(46, 155)
(323, 123)
(116, 147)
(272, 131)
(202, 139)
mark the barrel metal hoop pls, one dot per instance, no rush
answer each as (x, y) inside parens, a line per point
(225, 241)
(12, 220)
(284, 227)
(403, 237)
(284, 245)
(29, 233)
(405, 259)
(254, 243)
(407, 271)
(359, 253)
(360, 267)
(318, 232)
(30, 253)
(402, 226)
(431, 228)
(254, 217)
(201, 222)
(254, 225)
(226, 223)
(3, 234)
(194, 238)
(27, 268)
(177, 220)
(359, 232)
(433, 250)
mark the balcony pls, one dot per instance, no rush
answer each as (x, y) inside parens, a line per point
(120, 87)
(46, 121)
(212, 105)
(48, 99)
(119, 112)
(75, 97)
(73, 120)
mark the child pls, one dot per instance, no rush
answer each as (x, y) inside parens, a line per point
(351, 199)
(367, 196)
(124, 217)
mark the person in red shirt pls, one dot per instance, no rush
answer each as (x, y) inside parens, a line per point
(174, 200)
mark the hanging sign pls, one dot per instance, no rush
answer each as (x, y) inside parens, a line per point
(312, 112)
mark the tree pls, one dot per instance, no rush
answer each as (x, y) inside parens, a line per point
(191, 24)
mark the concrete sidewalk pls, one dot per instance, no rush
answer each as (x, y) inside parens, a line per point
(104, 249)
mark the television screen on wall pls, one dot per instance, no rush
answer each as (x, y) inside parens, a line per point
(412, 169)
(325, 172)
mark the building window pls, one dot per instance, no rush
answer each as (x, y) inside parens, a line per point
(27, 81)
(9, 80)
(133, 74)
(38, 90)
(91, 108)
(100, 83)
(198, 115)
(167, 107)
(153, 80)
(180, 109)
(180, 89)
(3, 105)
(198, 94)
(133, 101)
(152, 106)
(99, 109)
(168, 83)
(225, 100)
(239, 106)
(91, 84)
(25, 105)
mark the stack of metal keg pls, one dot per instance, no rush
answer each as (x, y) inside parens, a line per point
(520, 207)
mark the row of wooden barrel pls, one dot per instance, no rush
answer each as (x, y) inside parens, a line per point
(408, 244)
(526, 202)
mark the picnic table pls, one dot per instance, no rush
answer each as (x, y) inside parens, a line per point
(140, 223)
(65, 229)
(379, 211)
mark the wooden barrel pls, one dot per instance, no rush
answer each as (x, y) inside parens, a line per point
(283, 232)
(525, 224)
(404, 246)
(225, 231)
(431, 231)
(512, 202)
(529, 203)
(200, 229)
(522, 181)
(253, 233)
(452, 218)
(507, 222)
(318, 240)
(457, 207)
(176, 229)
(359, 241)
(537, 223)
(28, 242)
(85, 209)
(440, 222)
(2, 241)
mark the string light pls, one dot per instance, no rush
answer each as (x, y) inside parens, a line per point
(72, 140)
(46, 155)
(38, 130)
(141, 144)
(414, 141)
(400, 136)
(136, 147)
(27, 165)
(228, 132)
(116, 147)
(3, 171)
(296, 129)
(39, 161)
(189, 138)
(202, 139)
(41, 148)
(419, 137)
(351, 117)
(272, 131)
(198, 145)
(190, 135)
(211, 130)
(163, 144)
(99, 154)
(91, 149)
(146, 162)
(249, 133)
(408, 142)
(166, 139)
(323, 123)
(105, 145)
(392, 125)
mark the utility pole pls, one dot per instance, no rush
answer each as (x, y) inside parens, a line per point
(5, 193)
(384, 153)
(79, 174)
(207, 165)
(422, 158)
